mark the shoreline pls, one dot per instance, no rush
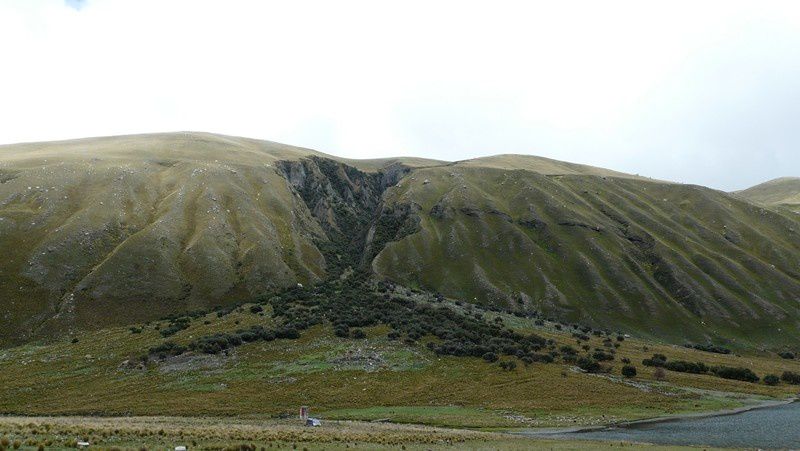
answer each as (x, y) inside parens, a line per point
(544, 432)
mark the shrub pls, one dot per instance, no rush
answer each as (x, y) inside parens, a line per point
(176, 325)
(341, 330)
(256, 309)
(658, 360)
(629, 371)
(601, 356)
(659, 374)
(589, 365)
(682, 366)
(74, 340)
(167, 349)
(568, 350)
(771, 379)
(288, 332)
(626, 360)
(787, 355)
(490, 357)
(4, 442)
(358, 334)
(735, 373)
(16, 444)
(709, 348)
(791, 377)
(544, 358)
(508, 365)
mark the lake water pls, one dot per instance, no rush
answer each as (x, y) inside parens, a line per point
(772, 427)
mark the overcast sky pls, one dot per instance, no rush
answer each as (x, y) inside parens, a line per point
(697, 92)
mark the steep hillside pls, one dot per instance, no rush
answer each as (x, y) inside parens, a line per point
(665, 260)
(118, 230)
(782, 192)
(113, 230)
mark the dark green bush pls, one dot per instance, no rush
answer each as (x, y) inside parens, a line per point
(341, 330)
(658, 360)
(508, 365)
(176, 325)
(629, 371)
(787, 355)
(736, 373)
(167, 349)
(771, 379)
(709, 348)
(568, 350)
(358, 334)
(589, 365)
(601, 356)
(687, 367)
(791, 377)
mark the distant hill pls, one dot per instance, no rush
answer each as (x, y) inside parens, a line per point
(541, 165)
(119, 230)
(782, 192)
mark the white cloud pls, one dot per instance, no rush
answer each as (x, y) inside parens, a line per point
(646, 87)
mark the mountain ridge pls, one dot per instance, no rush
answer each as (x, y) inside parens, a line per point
(125, 229)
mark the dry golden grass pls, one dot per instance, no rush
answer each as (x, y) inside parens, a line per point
(244, 434)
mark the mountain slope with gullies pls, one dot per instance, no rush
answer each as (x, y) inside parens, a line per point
(109, 231)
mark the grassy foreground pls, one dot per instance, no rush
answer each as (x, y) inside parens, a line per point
(250, 434)
(368, 379)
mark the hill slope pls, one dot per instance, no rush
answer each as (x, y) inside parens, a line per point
(118, 230)
(666, 260)
(784, 192)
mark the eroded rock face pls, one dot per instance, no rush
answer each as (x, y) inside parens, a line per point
(349, 206)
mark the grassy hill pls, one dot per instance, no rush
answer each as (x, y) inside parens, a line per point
(664, 260)
(782, 192)
(113, 231)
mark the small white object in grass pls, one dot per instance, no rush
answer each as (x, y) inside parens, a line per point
(83, 444)
(180, 448)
